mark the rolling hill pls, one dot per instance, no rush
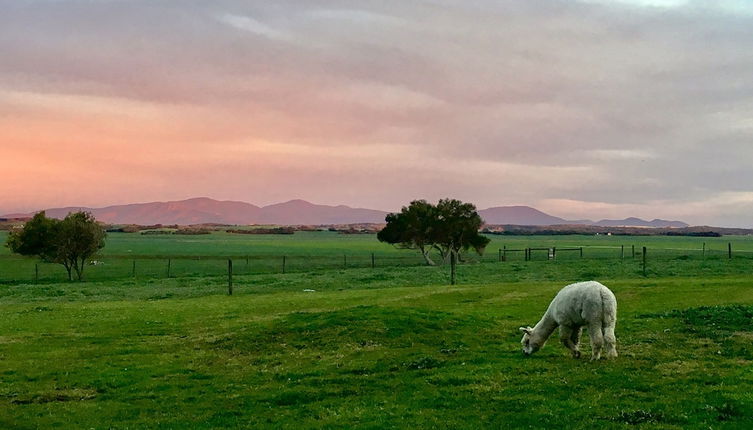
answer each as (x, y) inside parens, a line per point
(203, 210)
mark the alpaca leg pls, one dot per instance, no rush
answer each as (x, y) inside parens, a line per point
(610, 340)
(566, 334)
(597, 340)
(575, 338)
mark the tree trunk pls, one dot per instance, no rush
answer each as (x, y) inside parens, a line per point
(444, 254)
(453, 263)
(80, 271)
(427, 259)
(68, 269)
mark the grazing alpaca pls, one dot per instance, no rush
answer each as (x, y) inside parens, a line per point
(589, 304)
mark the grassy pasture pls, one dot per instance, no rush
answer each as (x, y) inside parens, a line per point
(205, 255)
(221, 244)
(391, 347)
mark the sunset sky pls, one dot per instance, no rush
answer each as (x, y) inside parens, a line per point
(583, 109)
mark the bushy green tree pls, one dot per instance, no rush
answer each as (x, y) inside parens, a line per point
(411, 228)
(79, 237)
(450, 227)
(69, 242)
(35, 238)
(456, 229)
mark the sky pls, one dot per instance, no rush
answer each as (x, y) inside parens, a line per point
(582, 109)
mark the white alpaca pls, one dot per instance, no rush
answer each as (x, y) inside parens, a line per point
(589, 304)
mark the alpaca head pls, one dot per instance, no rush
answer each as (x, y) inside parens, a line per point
(529, 344)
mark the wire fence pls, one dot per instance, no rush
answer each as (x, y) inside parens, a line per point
(16, 269)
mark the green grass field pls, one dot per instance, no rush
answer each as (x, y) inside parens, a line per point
(148, 257)
(390, 347)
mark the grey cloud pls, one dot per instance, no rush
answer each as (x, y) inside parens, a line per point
(545, 83)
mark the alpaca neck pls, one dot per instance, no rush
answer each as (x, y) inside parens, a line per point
(544, 328)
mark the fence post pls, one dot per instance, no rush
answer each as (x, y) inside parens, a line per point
(554, 253)
(729, 250)
(504, 253)
(36, 272)
(622, 252)
(633, 246)
(283, 264)
(168, 266)
(703, 251)
(581, 252)
(229, 277)
(373, 261)
(345, 261)
(133, 269)
(500, 255)
(453, 263)
(644, 261)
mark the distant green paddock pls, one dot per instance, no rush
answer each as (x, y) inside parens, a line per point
(132, 255)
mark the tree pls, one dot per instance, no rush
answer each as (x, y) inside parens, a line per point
(411, 228)
(449, 227)
(456, 229)
(69, 242)
(79, 237)
(35, 238)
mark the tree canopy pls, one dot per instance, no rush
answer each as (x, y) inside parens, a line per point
(411, 228)
(35, 238)
(457, 228)
(69, 242)
(449, 227)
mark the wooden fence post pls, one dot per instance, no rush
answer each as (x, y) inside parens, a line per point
(581, 252)
(229, 277)
(644, 261)
(554, 253)
(36, 272)
(284, 258)
(633, 251)
(133, 269)
(622, 252)
(500, 255)
(168, 267)
(729, 250)
(345, 261)
(373, 261)
(703, 251)
(504, 253)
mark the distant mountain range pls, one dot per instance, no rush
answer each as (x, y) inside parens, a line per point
(522, 215)
(204, 210)
(525, 215)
